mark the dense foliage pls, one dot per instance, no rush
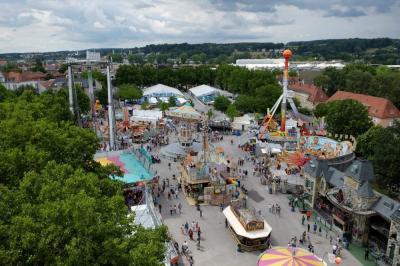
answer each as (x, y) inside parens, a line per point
(57, 205)
(129, 92)
(347, 117)
(258, 89)
(360, 78)
(382, 147)
(221, 103)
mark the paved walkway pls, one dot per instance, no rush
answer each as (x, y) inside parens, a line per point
(217, 245)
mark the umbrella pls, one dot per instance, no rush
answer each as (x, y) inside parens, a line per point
(282, 256)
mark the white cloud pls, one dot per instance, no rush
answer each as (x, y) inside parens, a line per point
(45, 25)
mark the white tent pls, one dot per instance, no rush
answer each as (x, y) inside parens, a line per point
(151, 116)
(153, 100)
(242, 122)
(161, 90)
(181, 100)
(203, 90)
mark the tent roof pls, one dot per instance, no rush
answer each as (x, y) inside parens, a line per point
(203, 90)
(185, 111)
(161, 89)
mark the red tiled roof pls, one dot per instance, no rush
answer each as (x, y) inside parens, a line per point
(315, 94)
(24, 76)
(377, 106)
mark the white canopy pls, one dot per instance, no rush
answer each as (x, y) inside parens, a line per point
(239, 229)
(181, 100)
(153, 100)
(203, 90)
(161, 90)
(151, 116)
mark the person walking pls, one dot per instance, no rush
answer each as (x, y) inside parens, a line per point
(184, 247)
(308, 228)
(191, 234)
(303, 218)
(171, 209)
(186, 227)
(169, 166)
(180, 207)
(159, 208)
(366, 254)
(320, 230)
(201, 212)
(315, 226)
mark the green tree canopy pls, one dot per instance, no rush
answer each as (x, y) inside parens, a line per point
(221, 103)
(347, 117)
(232, 112)
(129, 92)
(172, 101)
(382, 147)
(57, 205)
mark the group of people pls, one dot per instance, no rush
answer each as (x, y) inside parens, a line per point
(275, 209)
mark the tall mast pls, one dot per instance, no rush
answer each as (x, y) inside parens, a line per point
(70, 92)
(286, 54)
(110, 111)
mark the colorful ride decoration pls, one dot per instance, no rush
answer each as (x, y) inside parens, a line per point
(283, 256)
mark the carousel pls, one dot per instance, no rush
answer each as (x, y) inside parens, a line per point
(282, 256)
(185, 117)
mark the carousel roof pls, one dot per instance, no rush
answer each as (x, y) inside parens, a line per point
(186, 111)
(282, 256)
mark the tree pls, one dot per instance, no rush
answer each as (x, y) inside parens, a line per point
(38, 66)
(73, 218)
(347, 117)
(5, 94)
(144, 105)
(183, 57)
(129, 92)
(209, 114)
(221, 103)
(382, 147)
(321, 110)
(63, 68)
(232, 112)
(172, 101)
(163, 107)
(57, 205)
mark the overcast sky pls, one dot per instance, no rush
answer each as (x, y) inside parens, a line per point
(48, 25)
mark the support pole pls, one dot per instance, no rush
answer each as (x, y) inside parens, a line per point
(110, 111)
(91, 93)
(286, 54)
(70, 92)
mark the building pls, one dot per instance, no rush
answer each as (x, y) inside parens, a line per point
(93, 56)
(381, 110)
(273, 63)
(204, 93)
(339, 190)
(161, 93)
(308, 95)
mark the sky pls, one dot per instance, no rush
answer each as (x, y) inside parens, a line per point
(53, 25)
